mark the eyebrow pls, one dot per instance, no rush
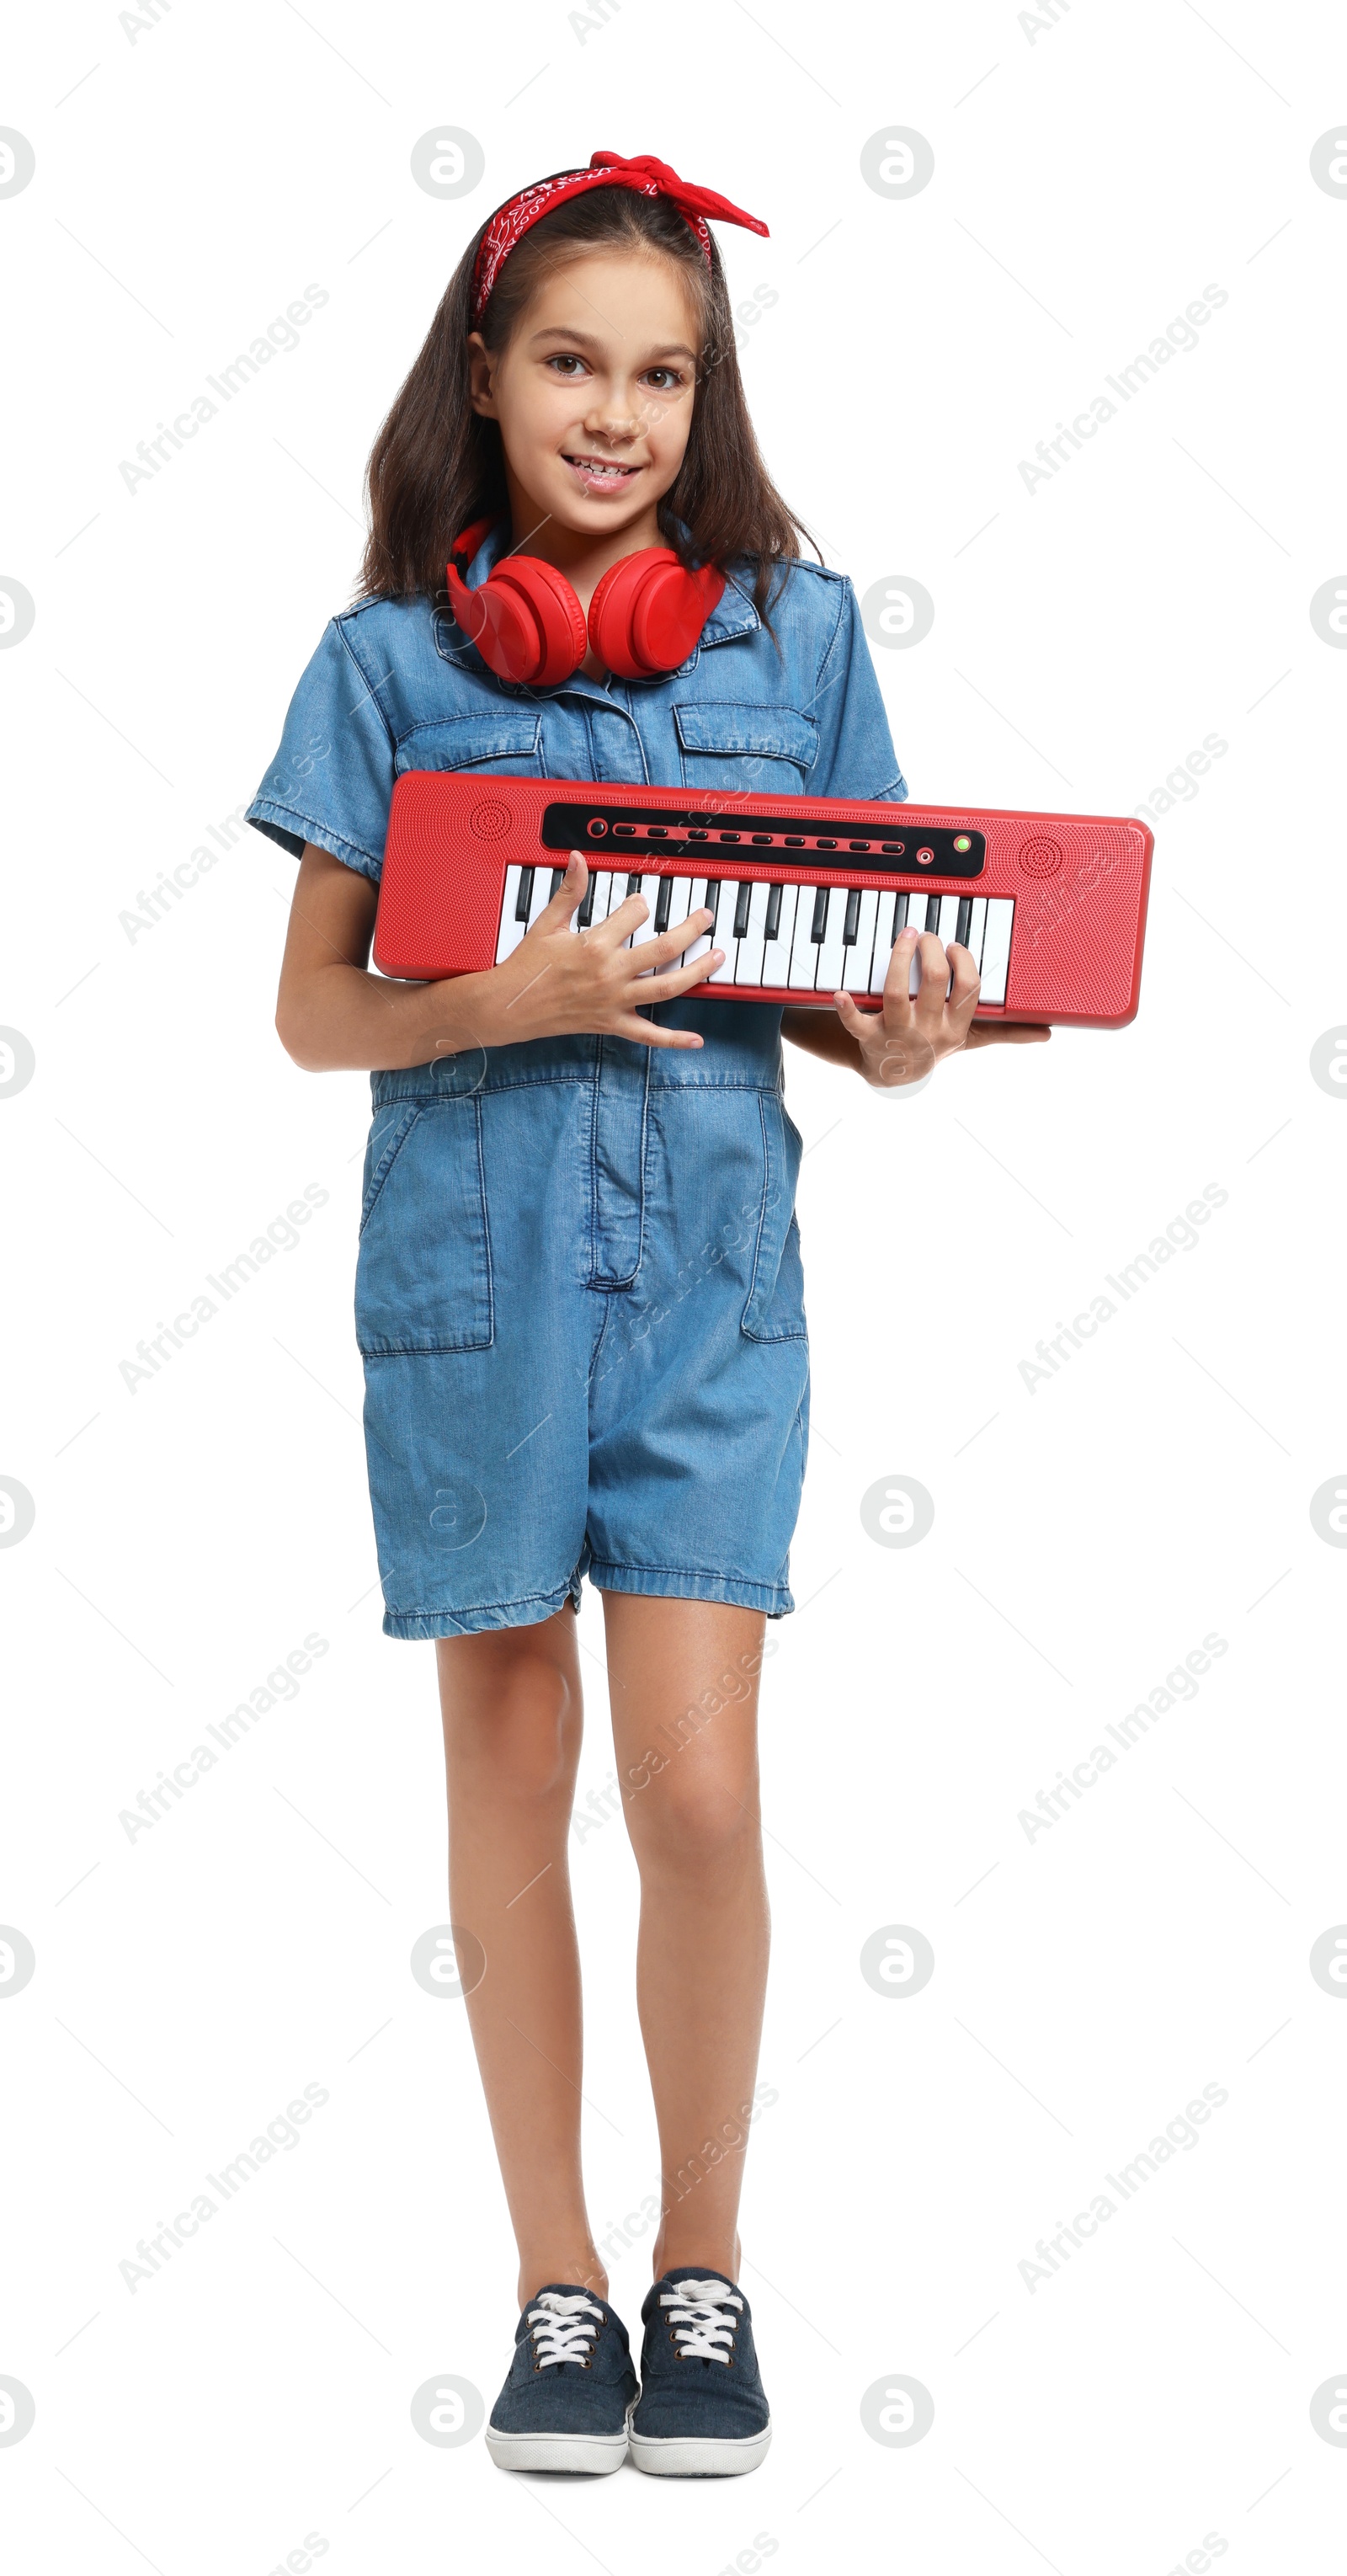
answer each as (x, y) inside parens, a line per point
(589, 340)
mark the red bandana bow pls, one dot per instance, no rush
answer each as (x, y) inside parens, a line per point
(649, 178)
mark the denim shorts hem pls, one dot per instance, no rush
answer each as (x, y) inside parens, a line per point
(484, 1615)
(675, 1583)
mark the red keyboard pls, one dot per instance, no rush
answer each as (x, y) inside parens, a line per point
(809, 893)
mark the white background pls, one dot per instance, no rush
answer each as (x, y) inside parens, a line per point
(1091, 177)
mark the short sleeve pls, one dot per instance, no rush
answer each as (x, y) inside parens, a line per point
(856, 754)
(331, 781)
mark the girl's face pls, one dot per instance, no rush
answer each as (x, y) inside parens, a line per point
(594, 399)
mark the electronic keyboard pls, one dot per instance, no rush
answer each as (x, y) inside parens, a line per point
(809, 893)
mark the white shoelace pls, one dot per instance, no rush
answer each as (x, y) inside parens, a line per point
(563, 2329)
(698, 2321)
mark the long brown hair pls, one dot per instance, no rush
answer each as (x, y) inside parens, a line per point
(436, 465)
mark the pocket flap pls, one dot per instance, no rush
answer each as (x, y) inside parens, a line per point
(775, 733)
(457, 742)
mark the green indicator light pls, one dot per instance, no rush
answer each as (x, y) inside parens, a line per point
(962, 841)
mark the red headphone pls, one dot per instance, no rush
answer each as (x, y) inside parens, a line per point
(526, 622)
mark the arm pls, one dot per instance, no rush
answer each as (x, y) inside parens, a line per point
(331, 1013)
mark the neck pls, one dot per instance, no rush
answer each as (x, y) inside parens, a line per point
(583, 558)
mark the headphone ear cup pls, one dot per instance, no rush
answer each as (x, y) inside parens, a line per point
(648, 611)
(558, 618)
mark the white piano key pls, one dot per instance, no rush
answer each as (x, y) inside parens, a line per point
(724, 932)
(856, 972)
(542, 893)
(680, 901)
(511, 931)
(696, 903)
(803, 950)
(624, 886)
(879, 963)
(996, 949)
(748, 964)
(776, 952)
(949, 919)
(977, 928)
(832, 955)
(645, 930)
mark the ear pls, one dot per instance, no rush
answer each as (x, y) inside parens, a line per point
(482, 375)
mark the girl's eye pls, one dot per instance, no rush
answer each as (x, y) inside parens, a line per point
(567, 362)
(670, 378)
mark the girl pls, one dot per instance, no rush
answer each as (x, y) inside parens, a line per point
(578, 1291)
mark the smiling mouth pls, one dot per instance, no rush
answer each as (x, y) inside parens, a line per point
(601, 468)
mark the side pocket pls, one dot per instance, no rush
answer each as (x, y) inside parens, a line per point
(774, 1311)
(423, 1275)
(388, 1134)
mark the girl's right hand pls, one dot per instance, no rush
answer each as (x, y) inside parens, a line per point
(562, 982)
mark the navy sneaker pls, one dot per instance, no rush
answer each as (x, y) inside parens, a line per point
(570, 2388)
(702, 2412)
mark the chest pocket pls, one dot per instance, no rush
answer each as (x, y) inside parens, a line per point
(764, 750)
(499, 742)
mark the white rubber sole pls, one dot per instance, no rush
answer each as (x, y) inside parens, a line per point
(682, 2456)
(593, 2455)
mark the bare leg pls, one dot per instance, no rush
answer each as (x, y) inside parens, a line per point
(684, 1691)
(512, 1727)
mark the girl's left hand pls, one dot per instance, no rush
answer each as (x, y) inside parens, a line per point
(904, 1040)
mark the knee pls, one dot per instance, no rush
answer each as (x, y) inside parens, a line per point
(523, 1729)
(693, 1818)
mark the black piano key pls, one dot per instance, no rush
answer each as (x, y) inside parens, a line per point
(662, 902)
(932, 911)
(586, 912)
(850, 925)
(964, 922)
(712, 904)
(819, 925)
(634, 884)
(772, 925)
(524, 899)
(900, 919)
(741, 909)
(557, 875)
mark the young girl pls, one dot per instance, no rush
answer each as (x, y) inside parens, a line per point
(578, 1290)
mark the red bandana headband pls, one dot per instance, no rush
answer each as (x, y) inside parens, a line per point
(647, 176)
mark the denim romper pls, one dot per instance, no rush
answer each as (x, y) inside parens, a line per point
(579, 1298)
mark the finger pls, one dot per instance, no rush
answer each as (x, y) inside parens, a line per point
(928, 1010)
(858, 1024)
(680, 979)
(622, 920)
(965, 981)
(897, 999)
(671, 943)
(570, 894)
(1005, 1033)
(649, 1033)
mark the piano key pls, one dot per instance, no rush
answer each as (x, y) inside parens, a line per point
(776, 949)
(511, 926)
(748, 964)
(772, 926)
(662, 902)
(698, 900)
(648, 888)
(680, 901)
(804, 949)
(541, 894)
(851, 925)
(856, 974)
(977, 927)
(948, 920)
(742, 901)
(523, 878)
(892, 911)
(726, 910)
(585, 914)
(961, 926)
(932, 920)
(833, 952)
(996, 949)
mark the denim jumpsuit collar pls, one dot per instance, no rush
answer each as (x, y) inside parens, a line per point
(734, 614)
